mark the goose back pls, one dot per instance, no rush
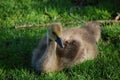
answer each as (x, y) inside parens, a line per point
(80, 44)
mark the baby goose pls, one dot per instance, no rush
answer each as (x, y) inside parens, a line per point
(75, 45)
(44, 56)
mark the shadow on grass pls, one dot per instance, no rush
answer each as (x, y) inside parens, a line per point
(16, 46)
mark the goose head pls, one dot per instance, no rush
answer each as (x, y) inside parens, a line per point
(55, 32)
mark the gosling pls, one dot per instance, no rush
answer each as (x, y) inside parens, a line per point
(61, 48)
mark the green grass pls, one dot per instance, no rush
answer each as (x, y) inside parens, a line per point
(16, 45)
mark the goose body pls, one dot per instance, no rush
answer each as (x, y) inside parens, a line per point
(74, 46)
(80, 44)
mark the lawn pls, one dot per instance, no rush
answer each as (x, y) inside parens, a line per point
(16, 45)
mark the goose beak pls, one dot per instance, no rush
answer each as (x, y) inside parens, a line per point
(60, 42)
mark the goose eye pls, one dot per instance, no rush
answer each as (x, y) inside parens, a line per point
(53, 33)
